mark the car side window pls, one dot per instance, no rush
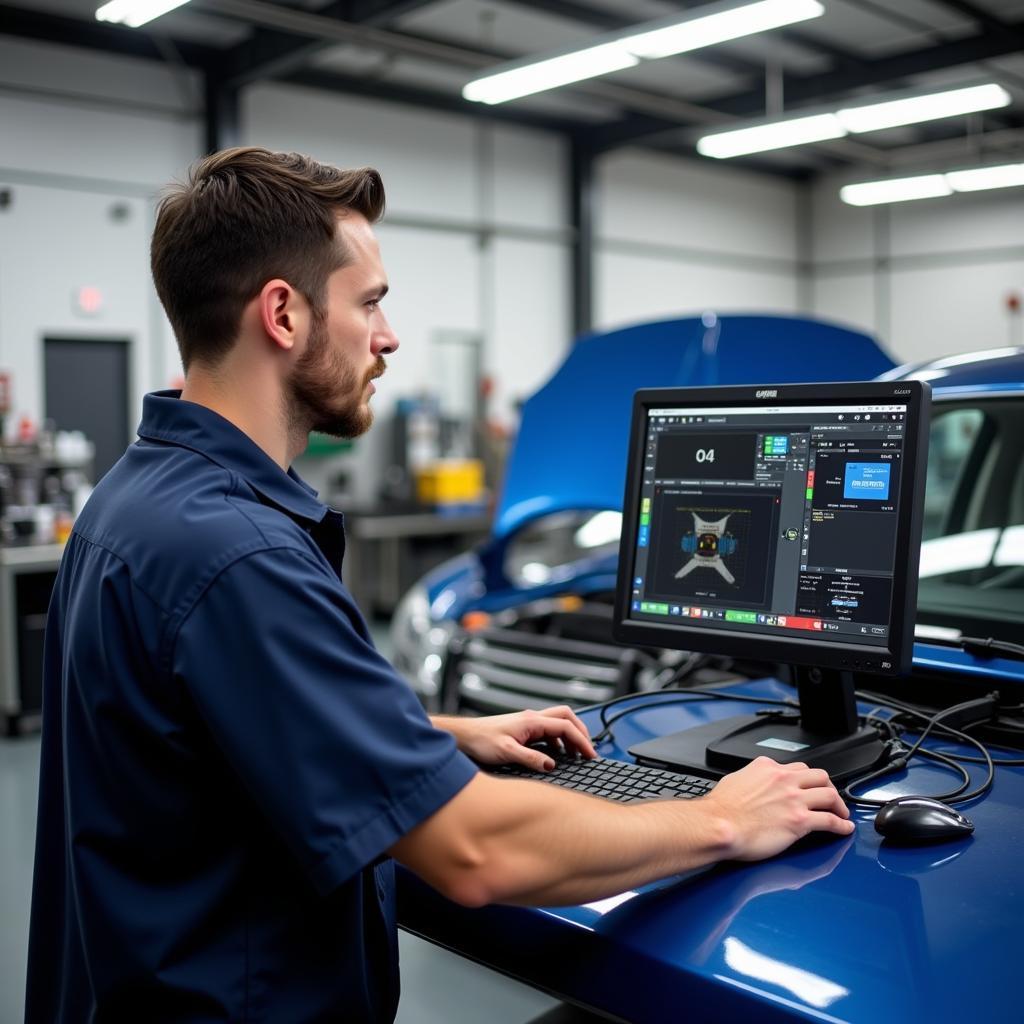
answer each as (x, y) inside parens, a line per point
(972, 552)
(953, 438)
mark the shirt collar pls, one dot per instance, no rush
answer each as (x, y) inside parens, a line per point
(166, 417)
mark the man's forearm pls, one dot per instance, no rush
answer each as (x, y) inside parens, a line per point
(511, 841)
(449, 723)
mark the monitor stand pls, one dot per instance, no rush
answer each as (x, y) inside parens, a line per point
(824, 734)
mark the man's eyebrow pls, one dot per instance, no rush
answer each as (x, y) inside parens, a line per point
(377, 292)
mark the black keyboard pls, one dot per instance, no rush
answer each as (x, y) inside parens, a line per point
(613, 780)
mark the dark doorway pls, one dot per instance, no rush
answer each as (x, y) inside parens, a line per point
(87, 390)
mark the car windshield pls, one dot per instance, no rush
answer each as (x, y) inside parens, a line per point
(972, 554)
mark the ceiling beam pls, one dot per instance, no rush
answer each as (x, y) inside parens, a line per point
(983, 46)
(823, 87)
(432, 99)
(272, 54)
(986, 19)
(96, 35)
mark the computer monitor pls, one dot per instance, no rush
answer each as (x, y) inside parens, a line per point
(781, 524)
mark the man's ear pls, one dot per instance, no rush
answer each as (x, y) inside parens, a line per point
(284, 313)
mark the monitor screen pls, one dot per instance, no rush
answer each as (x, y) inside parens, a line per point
(777, 523)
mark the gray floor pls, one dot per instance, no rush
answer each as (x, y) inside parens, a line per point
(437, 986)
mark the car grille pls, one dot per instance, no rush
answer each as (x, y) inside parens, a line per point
(498, 670)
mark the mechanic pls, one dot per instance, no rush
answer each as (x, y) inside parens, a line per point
(228, 765)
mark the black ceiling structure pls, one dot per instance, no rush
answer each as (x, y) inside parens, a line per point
(286, 41)
(425, 50)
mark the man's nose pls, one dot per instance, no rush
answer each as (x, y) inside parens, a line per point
(384, 341)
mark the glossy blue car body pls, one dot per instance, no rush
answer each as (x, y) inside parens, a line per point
(835, 931)
(571, 449)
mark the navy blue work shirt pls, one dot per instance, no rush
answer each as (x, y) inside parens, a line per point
(225, 756)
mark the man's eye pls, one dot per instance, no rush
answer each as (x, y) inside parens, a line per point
(373, 304)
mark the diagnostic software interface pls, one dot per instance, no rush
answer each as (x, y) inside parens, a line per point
(777, 520)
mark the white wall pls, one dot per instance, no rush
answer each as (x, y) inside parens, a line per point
(676, 237)
(930, 278)
(72, 147)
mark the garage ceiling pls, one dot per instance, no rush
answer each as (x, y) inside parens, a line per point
(424, 51)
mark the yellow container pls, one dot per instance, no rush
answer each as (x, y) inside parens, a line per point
(450, 482)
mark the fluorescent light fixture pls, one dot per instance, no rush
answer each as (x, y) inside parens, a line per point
(871, 117)
(1004, 176)
(708, 29)
(134, 13)
(928, 186)
(549, 74)
(795, 131)
(712, 24)
(819, 125)
(895, 190)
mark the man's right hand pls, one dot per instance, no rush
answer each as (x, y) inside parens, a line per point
(768, 806)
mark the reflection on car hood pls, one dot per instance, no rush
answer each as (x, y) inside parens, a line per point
(571, 449)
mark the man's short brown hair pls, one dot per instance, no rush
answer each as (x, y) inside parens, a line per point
(244, 217)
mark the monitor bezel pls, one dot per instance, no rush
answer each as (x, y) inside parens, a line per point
(895, 658)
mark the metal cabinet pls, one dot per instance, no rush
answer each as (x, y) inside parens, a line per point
(27, 575)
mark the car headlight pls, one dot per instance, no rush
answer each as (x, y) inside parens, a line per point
(419, 642)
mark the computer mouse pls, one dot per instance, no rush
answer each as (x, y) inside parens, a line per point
(910, 820)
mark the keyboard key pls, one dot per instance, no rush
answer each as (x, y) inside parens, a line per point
(613, 780)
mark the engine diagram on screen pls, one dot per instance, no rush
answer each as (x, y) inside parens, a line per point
(709, 543)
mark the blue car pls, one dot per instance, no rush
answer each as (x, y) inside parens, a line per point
(525, 619)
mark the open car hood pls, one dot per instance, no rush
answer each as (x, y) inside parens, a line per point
(573, 440)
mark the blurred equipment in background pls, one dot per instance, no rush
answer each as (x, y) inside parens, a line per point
(44, 481)
(45, 478)
(445, 460)
(451, 485)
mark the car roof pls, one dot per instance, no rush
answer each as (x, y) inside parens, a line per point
(981, 372)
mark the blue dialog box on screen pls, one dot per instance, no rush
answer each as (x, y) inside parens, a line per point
(867, 480)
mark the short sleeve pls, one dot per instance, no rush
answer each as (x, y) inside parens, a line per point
(330, 741)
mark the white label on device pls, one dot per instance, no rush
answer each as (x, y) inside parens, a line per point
(782, 744)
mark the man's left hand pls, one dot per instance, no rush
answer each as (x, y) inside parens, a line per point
(504, 739)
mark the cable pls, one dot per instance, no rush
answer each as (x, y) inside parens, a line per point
(898, 764)
(934, 722)
(957, 796)
(714, 694)
(675, 675)
(989, 646)
(606, 735)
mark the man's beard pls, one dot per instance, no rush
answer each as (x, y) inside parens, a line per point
(325, 393)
